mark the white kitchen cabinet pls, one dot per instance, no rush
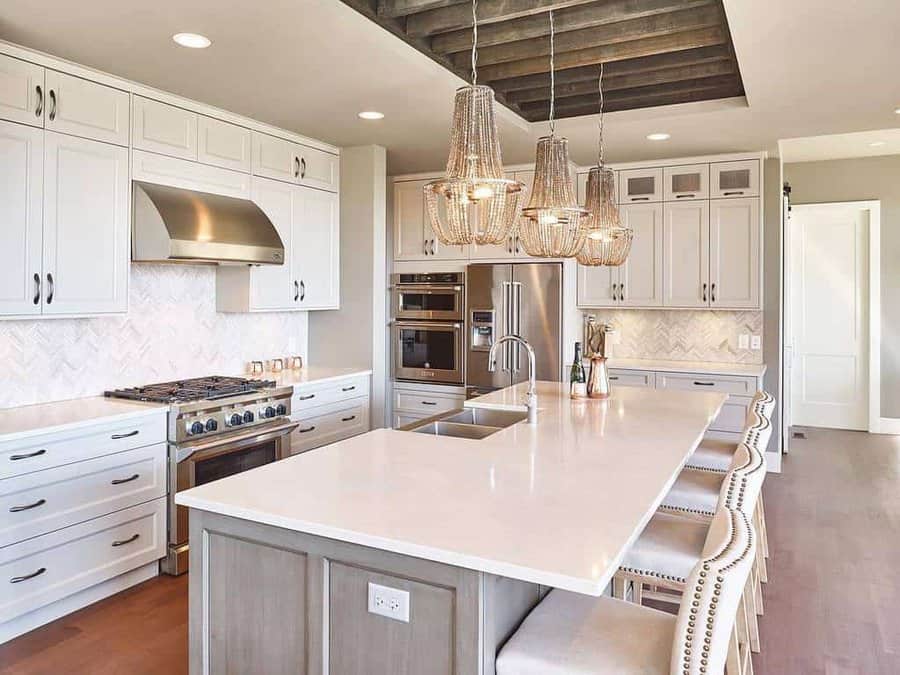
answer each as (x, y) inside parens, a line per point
(734, 253)
(409, 220)
(83, 108)
(686, 254)
(152, 168)
(86, 226)
(732, 180)
(318, 169)
(279, 159)
(598, 286)
(641, 275)
(308, 223)
(21, 205)
(223, 144)
(640, 185)
(22, 91)
(511, 247)
(166, 129)
(686, 182)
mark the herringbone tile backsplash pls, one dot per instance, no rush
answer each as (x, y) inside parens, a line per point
(683, 335)
(172, 330)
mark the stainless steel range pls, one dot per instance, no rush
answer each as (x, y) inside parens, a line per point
(218, 426)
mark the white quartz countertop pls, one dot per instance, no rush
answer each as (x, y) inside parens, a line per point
(310, 375)
(709, 367)
(31, 420)
(557, 503)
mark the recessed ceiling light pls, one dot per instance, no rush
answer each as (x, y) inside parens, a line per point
(659, 137)
(897, 111)
(877, 144)
(371, 115)
(192, 40)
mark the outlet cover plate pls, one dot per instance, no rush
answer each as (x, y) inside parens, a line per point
(390, 602)
(756, 342)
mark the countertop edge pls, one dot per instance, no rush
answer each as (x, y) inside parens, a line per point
(712, 368)
(139, 411)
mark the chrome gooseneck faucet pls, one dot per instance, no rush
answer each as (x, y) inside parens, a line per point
(531, 395)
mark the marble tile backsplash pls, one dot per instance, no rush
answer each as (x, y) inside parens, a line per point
(172, 330)
(683, 335)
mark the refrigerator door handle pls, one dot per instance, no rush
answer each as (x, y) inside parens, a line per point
(507, 322)
(516, 322)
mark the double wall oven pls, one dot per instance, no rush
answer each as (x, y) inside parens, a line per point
(427, 330)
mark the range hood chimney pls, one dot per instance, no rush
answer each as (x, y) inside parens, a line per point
(177, 225)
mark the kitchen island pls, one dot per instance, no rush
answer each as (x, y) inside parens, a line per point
(464, 535)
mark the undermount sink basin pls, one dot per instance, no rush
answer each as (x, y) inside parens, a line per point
(474, 423)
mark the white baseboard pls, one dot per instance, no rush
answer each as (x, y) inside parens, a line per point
(888, 425)
(43, 615)
(773, 462)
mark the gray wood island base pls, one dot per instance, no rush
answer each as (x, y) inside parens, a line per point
(269, 600)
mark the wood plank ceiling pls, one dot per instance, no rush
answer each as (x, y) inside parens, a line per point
(657, 52)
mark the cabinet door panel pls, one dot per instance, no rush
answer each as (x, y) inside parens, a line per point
(686, 254)
(733, 180)
(275, 158)
(641, 276)
(86, 226)
(409, 220)
(223, 144)
(21, 185)
(22, 92)
(318, 169)
(734, 252)
(272, 286)
(84, 108)
(640, 185)
(165, 129)
(686, 182)
(598, 286)
(316, 253)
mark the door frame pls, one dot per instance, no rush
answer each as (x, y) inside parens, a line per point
(876, 423)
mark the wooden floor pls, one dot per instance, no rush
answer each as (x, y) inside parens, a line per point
(832, 604)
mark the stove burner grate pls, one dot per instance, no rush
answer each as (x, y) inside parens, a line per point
(196, 389)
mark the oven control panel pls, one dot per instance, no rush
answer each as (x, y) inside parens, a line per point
(225, 418)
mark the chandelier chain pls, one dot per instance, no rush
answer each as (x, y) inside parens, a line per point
(600, 120)
(474, 42)
(552, 76)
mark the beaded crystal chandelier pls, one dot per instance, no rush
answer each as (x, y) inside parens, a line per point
(607, 242)
(552, 225)
(474, 202)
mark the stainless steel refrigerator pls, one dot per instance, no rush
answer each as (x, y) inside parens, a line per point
(518, 298)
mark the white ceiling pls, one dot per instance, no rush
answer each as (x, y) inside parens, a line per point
(810, 68)
(842, 146)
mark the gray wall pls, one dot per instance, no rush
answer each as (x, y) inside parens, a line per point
(348, 336)
(845, 180)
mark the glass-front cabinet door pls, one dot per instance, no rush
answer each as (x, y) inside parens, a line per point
(640, 185)
(686, 182)
(732, 180)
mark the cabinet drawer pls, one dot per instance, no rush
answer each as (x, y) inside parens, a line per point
(733, 417)
(318, 169)
(328, 424)
(426, 403)
(44, 501)
(44, 452)
(223, 144)
(401, 419)
(182, 173)
(308, 396)
(728, 384)
(45, 569)
(632, 378)
(82, 108)
(159, 127)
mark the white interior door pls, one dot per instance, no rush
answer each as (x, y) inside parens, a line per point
(829, 306)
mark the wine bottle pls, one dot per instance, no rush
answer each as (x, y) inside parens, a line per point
(577, 376)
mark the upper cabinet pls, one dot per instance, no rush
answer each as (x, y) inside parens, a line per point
(686, 182)
(22, 91)
(282, 160)
(82, 108)
(735, 179)
(686, 254)
(223, 144)
(165, 129)
(640, 185)
(734, 253)
(414, 238)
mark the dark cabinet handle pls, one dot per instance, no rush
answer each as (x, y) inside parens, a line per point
(36, 453)
(348, 388)
(621, 292)
(37, 288)
(509, 245)
(307, 429)
(704, 384)
(685, 196)
(428, 402)
(733, 193)
(19, 580)
(348, 419)
(306, 398)
(712, 290)
(130, 539)
(27, 507)
(116, 437)
(704, 291)
(120, 481)
(296, 290)
(615, 294)
(52, 105)
(296, 167)
(613, 377)
(39, 110)
(302, 290)
(302, 167)
(640, 199)
(50, 285)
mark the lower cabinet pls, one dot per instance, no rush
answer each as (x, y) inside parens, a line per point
(413, 401)
(329, 411)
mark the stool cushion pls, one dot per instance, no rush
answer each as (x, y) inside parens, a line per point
(574, 634)
(695, 491)
(668, 548)
(713, 455)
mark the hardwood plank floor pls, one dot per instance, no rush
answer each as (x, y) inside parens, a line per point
(831, 604)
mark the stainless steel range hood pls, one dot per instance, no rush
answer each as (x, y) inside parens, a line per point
(177, 225)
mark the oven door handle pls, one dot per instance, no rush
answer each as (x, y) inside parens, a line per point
(252, 437)
(427, 324)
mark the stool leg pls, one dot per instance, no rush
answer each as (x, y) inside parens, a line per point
(752, 622)
(733, 660)
(637, 591)
(764, 532)
(620, 587)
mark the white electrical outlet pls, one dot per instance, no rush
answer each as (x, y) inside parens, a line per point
(390, 602)
(744, 341)
(756, 342)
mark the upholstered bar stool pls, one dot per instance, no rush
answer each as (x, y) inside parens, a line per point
(573, 634)
(715, 455)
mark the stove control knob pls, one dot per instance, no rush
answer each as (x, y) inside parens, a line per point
(197, 428)
(211, 425)
(248, 416)
(235, 420)
(281, 409)
(269, 412)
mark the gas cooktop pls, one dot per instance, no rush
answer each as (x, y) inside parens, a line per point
(196, 389)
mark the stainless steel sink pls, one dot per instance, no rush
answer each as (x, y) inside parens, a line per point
(474, 423)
